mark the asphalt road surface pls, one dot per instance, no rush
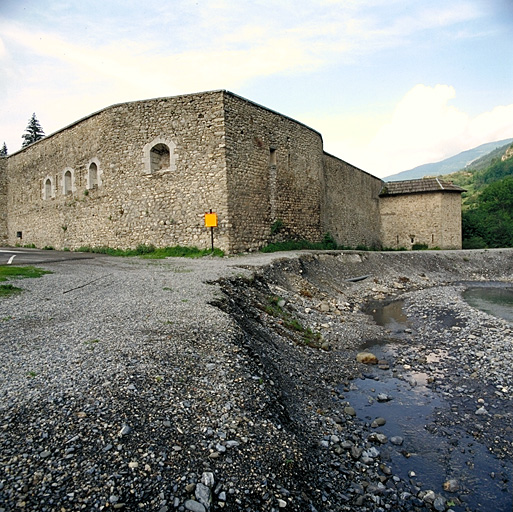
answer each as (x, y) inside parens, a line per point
(21, 256)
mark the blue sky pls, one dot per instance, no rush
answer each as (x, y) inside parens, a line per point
(390, 84)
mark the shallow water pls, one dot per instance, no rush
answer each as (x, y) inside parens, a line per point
(497, 301)
(434, 454)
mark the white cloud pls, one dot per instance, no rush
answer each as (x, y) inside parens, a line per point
(425, 128)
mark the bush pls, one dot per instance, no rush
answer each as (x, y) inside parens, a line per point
(476, 242)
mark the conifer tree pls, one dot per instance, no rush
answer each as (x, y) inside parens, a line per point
(3, 151)
(33, 132)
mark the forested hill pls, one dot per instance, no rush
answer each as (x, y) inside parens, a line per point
(487, 217)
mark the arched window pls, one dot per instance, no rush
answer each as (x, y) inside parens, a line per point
(47, 188)
(68, 181)
(92, 176)
(159, 155)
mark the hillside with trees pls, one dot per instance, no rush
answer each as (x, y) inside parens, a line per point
(487, 215)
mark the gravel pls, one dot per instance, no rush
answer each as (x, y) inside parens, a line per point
(181, 384)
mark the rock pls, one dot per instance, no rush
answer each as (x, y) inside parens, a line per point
(194, 506)
(207, 478)
(378, 422)
(356, 452)
(366, 358)
(378, 438)
(481, 411)
(396, 440)
(439, 504)
(383, 397)
(125, 429)
(350, 411)
(203, 495)
(429, 496)
(451, 485)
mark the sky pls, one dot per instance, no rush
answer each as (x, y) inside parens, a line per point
(390, 84)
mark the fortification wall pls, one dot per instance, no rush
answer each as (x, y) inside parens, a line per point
(351, 204)
(3, 201)
(133, 198)
(274, 175)
(433, 219)
(451, 236)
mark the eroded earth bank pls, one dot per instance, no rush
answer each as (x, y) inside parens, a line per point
(228, 384)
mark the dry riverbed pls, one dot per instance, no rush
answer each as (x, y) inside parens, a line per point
(224, 384)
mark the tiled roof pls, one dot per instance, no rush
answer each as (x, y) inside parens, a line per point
(393, 188)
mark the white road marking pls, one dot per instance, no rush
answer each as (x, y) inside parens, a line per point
(11, 258)
(11, 252)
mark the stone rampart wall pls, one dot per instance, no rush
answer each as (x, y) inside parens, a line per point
(146, 172)
(451, 237)
(433, 219)
(130, 204)
(274, 174)
(351, 204)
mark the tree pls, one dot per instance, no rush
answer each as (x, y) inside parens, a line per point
(33, 132)
(490, 221)
(3, 151)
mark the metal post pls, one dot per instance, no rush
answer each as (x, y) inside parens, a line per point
(212, 235)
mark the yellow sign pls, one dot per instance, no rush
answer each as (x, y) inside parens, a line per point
(211, 220)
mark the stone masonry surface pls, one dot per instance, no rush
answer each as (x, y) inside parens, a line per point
(146, 172)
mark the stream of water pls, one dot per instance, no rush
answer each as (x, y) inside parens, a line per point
(429, 456)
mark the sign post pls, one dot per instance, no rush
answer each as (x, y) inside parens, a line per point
(211, 222)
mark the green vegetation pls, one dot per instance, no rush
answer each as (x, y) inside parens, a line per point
(489, 222)
(327, 243)
(487, 208)
(8, 272)
(152, 252)
(274, 308)
(33, 132)
(8, 289)
(91, 343)
(277, 226)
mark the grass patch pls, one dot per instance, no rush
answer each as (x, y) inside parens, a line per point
(9, 272)
(152, 252)
(8, 289)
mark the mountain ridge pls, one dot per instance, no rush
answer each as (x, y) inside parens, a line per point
(462, 160)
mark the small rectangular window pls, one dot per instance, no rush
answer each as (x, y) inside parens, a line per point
(272, 156)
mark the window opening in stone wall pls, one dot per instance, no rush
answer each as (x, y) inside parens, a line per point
(412, 238)
(48, 189)
(160, 157)
(93, 176)
(67, 182)
(272, 156)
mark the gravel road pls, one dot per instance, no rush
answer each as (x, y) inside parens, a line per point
(213, 384)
